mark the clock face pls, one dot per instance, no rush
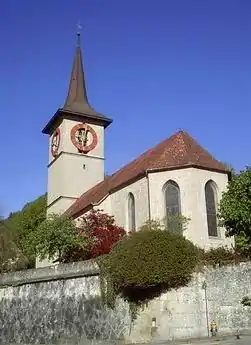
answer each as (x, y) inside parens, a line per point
(84, 138)
(55, 142)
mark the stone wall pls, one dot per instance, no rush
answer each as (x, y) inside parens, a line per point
(57, 303)
(63, 302)
(182, 314)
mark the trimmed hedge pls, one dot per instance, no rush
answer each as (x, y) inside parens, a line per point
(144, 264)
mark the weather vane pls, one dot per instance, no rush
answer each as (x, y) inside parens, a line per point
(79, 28)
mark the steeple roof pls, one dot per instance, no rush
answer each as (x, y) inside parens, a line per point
(76, 103)
(77, 100)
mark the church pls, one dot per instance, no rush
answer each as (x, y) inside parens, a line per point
(177, 176)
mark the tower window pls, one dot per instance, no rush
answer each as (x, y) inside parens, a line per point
(210, 195)
(131, 213)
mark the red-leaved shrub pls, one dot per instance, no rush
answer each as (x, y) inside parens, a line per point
(102, 231)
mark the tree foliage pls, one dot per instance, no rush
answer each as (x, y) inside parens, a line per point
(246, 301)
(174, 222)
(14, 233)
(100, 232)
(152, 225)
(235, 207)
(23, 223)
(55, 237)
(11, 257)
(228, 167)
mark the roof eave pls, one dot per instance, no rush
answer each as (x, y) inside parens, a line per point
(141, 175)
(83, 210)
(62, 113)
(190, 165)
(111, 191)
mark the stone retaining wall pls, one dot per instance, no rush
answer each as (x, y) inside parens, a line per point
(61, 302)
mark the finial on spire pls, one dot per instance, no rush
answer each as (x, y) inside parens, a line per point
(79, 28)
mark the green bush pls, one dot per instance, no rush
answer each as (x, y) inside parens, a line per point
(144, 264)
(220, 256)
(246, 301)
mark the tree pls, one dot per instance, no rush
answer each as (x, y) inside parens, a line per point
(55, 237)
(11, 257)
(229, 167)
(24, 222)
(235, 207)
(102, 232)
(13, 235)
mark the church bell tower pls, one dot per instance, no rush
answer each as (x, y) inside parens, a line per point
(76, 144)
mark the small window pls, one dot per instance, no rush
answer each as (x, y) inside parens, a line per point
(131, 213)
(210, 195)
(172, 198)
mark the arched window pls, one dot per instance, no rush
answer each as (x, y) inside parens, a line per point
(131, 213)
(172, 198)
(172, 207)
(210, 195)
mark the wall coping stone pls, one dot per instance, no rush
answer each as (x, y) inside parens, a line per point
(49, 273)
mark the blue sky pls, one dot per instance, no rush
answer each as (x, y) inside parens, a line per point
(154, 66)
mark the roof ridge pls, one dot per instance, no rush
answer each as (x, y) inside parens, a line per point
(187, 136)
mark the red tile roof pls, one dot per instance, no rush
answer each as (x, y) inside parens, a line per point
(180, 150)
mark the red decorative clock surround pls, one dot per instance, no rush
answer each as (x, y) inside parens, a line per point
(80, 137)
(55, 142)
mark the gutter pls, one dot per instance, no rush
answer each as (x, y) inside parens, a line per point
(100, 201)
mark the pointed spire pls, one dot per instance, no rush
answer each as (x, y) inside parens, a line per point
(76, 103)
(77, 100)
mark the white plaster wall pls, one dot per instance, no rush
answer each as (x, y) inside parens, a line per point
(73, 173)
(119, 203)
(105, 205)
(116, 204)
(54, 180)
(60, 205)
(191, 182)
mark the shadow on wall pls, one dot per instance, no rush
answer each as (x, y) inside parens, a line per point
(43, 320)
